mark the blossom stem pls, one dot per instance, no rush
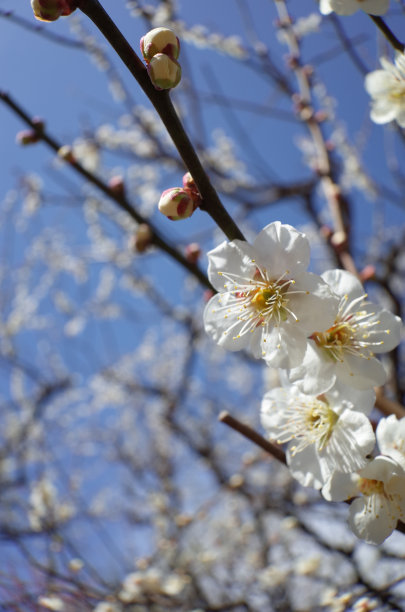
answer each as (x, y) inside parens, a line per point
(388, 33)
(252, 435)
(388, 406)
(120, 200)
(166, 111)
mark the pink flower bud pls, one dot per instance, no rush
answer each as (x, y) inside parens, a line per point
(367, 273)
(117, 185)
(164, 72)
(27, 137)
(160, 40)
(50, 10)
(176, 204)
(190, 186)
(193, 252)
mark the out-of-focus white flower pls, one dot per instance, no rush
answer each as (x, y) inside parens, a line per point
(327, 433)
(348, 7)
(345, 351)
(104, 606)
(51, 602)
(391, 438)
(387, 90)
(381, 487)
(269, 303)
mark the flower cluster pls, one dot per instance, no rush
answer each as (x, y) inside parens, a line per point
(160, 49)
(323, 334)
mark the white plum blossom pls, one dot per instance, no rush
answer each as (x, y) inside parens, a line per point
(327, 433)
(379, 489)
(345, 350)
(269, 303)
(348, 7)
(387, 90)
(391, 438)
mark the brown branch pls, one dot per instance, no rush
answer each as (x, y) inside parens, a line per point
(387, 406)
(166, 111)
(388, 33)
(253, 436)
(120, 200)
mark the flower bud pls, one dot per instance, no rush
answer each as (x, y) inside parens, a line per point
(192, 252)
(160, 40)
(27, 137)
(117, 185)
(190, 186)
(66, 153)
(176, 204)
(50, 10)
(142, 238)
(164, 72)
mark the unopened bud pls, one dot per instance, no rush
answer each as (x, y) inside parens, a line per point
(27, 137)
(367, 273)
(51, 10)
(193, 252)
(160, 40)
(190, 186)
(208, 294)
(142, 238)
(117, 185)
(176, 204)
(164, 72)
(66, 153)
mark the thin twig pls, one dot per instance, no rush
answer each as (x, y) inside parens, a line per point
(388, 33)
(166, 111)
(120, 200)
(253, 436)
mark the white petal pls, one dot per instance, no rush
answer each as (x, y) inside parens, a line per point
(379, 82)
(218, 327)
(383, 111)
(232, 257)
(340, 487)
(316, 310)
(374, 7)
(372, 520)
(348, 397)
(343, 283)
(316, 374)
(360, 373)
(344, 7)
(283, 247)
(391, 438)
(351, 441)
(284, 347)
(325, 7)
(390, 335)
(306, 468)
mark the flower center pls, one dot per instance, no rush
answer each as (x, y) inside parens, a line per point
(368, 486)
(256, 301)
(270, 299)
(311, 421)
(352, 333)
(335, 339)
